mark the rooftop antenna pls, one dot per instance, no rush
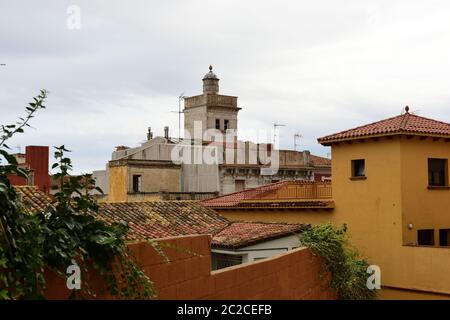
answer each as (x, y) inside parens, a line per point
(275, 126)
(180, 97)
(297, 137)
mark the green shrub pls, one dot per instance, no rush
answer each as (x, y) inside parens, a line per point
(348, 270)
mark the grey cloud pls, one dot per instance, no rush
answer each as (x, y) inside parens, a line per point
(318, 67)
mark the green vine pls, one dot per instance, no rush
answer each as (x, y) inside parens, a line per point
(348, 271)
(63, 233)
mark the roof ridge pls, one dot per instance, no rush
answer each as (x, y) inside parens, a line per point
(361, 126)
(404, 122)
(429, 119)
(397, 125)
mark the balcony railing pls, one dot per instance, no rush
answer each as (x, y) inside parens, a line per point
(304, 191)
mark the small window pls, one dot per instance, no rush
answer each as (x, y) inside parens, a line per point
(425, 237)
(358, 168)
(218, 124)
(239, 185)
(226, 124)
(223, 260)
(444, 237)
(137, 183)
(437, 172)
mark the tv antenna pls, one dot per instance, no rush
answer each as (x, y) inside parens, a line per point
(275, 126)
(297, 137)
(180, 97)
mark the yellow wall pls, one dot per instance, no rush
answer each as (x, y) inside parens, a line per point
(153, 179)
(118, 183)
(378, 209)
(288, 216)
(156, 179)
(423, 208)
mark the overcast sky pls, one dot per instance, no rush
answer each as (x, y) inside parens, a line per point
(316, 66)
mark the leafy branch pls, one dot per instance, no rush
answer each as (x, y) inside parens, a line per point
(348, 270)
(65, 231)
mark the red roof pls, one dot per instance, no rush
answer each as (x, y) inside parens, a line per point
(240, 234)
(159, 219)
(235, 198)
(317, 161)
(406, 123)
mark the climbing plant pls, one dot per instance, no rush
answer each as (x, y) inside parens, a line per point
(65, 233)
(348, 270)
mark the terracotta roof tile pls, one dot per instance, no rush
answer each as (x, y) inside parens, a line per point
(406, 123)
(317, 161)
(33, 198)
(158, 219)
(235, 198)
(241, 234)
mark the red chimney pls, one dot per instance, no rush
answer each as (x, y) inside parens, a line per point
(36, 157)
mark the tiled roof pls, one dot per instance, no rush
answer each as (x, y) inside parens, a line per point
(242, 234)
(406, 123)
(159, 219)
(261, 197)
(317, 161)
(235, 198)
(33, 198)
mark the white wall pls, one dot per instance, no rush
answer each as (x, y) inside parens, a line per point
(101, 180)
(263, 249)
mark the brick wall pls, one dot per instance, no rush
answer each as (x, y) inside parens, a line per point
(293, 275)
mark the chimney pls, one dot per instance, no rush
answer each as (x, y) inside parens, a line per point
(149, 134)
(306, 159)
(166, 132)
(120, 148)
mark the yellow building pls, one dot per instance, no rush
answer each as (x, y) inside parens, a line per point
(142, 180)
(391, 186)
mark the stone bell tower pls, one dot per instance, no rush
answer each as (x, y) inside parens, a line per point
(210, 82)
(213, 110)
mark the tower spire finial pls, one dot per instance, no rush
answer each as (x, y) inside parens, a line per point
(210, 67)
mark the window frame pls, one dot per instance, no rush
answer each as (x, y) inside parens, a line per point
(432, 237)
(138, 184)
(353, 173)
(445, 231)
(433, 184)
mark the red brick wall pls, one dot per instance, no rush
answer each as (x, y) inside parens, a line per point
(293, 275)
(37, 158)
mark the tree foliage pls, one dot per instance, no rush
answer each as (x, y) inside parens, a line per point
(65, 232)
(348, 270)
